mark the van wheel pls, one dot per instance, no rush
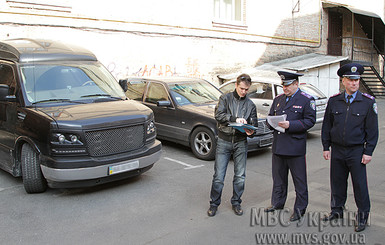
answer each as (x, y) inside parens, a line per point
(33, 179)
(203, 143)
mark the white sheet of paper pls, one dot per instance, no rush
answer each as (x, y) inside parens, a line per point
(274, 120)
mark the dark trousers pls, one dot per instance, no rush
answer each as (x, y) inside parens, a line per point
(345, 160)
(280, 171)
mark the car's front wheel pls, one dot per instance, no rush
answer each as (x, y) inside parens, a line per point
(203, 143)
(33, 179)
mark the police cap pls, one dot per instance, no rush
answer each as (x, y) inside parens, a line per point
(351, 70)
(288, 77)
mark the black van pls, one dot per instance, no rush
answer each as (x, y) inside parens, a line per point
(65, 121)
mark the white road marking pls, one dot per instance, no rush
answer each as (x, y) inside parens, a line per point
(188, 166)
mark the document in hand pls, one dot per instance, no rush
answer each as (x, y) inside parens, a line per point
(241, 127)
(274, 120)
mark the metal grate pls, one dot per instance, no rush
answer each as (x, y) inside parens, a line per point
(262, 127)
(115, 140)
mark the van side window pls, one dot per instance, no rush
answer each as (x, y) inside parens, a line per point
(7, 77)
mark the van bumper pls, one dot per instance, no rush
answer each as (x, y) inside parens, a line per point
(94, 175)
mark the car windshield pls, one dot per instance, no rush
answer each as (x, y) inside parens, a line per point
(196, 92)
(67, 82)
(313, 91)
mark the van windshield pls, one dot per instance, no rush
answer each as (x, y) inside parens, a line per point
(68, 82)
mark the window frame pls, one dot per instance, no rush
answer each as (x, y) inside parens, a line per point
(221, 18)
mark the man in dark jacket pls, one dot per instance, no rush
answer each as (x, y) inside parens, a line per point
(289, 147)
(232, 107)
(350, 128)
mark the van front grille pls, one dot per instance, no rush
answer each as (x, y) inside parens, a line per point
(115, 140)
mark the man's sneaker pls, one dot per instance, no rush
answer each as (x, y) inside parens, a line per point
(237, 209)
(212, 211)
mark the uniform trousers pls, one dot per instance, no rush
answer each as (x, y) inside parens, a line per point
(345, 160)
(280, 170)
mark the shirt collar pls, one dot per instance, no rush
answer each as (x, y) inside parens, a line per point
(353, 95)
(293, 94)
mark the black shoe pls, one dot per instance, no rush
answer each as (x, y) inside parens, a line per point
(360, 226)
(212, 211)
(238, 210)
(361, 221)
(272, 209)
(297, 215)
(333, 216)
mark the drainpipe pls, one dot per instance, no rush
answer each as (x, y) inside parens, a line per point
(371, 52)
(352, 36)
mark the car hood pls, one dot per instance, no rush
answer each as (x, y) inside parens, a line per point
(202, 109)
(209, 110)
(108, 114)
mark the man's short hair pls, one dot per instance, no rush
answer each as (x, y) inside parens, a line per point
(244, 78)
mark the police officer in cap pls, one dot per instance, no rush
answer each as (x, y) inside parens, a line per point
(350, 129)
(289, 147)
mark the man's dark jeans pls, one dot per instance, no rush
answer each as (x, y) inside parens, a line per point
(222, 158)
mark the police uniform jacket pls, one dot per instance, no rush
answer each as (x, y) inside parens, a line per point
(230, 107)
(301, 114)
(351, 125)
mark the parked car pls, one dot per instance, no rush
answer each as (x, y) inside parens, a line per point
(264, 90)
(65, 121)
(184, 112)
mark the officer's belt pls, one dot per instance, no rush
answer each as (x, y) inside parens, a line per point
(349, 146)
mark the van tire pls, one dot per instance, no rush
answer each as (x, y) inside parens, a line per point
(33, 179)
(203, 143)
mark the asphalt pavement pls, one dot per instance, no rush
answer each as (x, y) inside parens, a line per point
(168, 204)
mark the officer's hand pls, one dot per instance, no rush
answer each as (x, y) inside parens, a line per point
(241, 120)
(284, 124)
(366, 159)
(249, 131)
(326, 155)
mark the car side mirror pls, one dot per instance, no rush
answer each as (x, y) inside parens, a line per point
(123, 84)
(165, 103)
(4, 91)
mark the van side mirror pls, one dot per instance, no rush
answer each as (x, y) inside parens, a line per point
(4, 91)
(123, 84)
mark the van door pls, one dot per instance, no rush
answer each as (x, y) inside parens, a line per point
(8, 118)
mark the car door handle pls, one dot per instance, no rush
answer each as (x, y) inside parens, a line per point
(266, 104)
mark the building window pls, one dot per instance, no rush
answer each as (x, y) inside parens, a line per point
(228, 10)
(230, 14)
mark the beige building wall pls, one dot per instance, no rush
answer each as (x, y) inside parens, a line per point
(173, 37)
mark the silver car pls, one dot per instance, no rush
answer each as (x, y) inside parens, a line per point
(264, 90)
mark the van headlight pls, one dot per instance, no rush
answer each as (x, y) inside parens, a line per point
(150, 127)
(69, 139)
(67, 144)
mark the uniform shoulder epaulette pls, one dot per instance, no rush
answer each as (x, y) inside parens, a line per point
(368, 96)
(306, 95)
(334, 95)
